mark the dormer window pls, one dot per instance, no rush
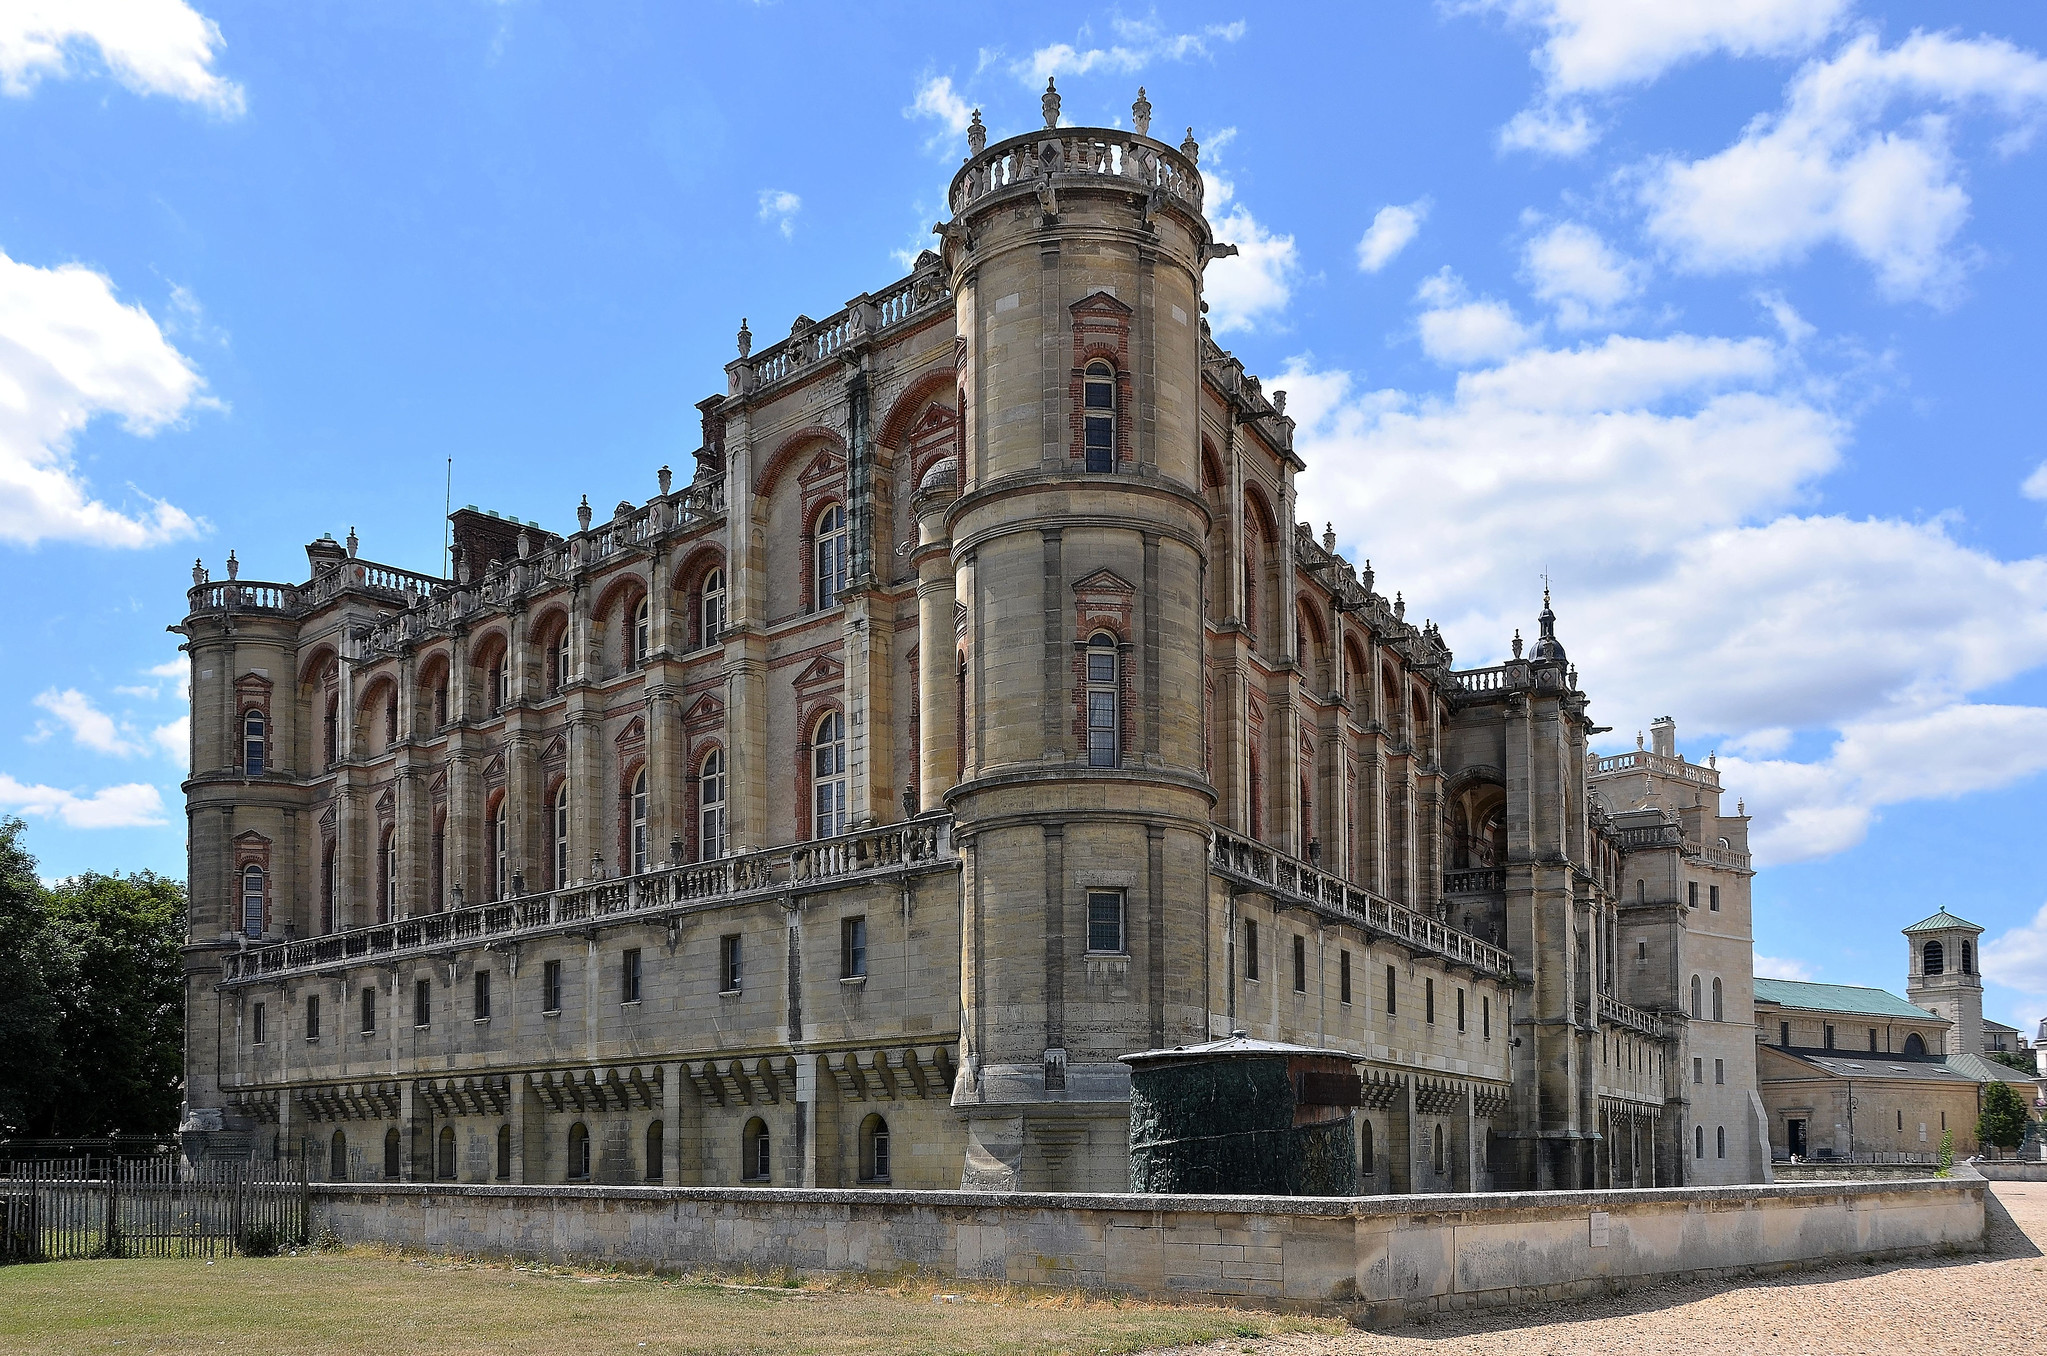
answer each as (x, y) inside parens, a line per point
(1099, 427)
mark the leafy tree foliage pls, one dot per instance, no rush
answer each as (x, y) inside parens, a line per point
(2003, 1118)
(91, 1000)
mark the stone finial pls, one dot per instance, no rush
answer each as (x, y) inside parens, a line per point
(977, 135)
(234, 567)
(1140, 113)
(1191, 148)
(1367, 576)
(583, 515)
(461, 566)
(352, 543)
(666, 477)
(198, 571)
(455, 895)
(1574, 677)
(624, 510)
(909, 801)
(1638, 741)
(1279, 402)
(1329, 537)
(675, 850)
(1517, 642)
(596, 866)
(745, 339)
(1713, 758)
(525, 544)
(1741, 807)
(1399, 606)
(1050, 103)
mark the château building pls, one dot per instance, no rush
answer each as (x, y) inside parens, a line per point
(976, 712)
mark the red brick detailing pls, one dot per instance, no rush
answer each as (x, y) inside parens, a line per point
(1104, 601)
(1101, 329)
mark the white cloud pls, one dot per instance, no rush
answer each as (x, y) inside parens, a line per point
(779, 209)
(1574, 269)
(1548, 130)
(2035, 486)
(1458, 329)
(135, 805)
(89, 726)
(1392, 228)
(937, 99)
(174, 740)
(2018, 958)
(150, 46)
(1778, 967)
(1137, 44)
(1254, 285)
(1830, 169)
(1793, 326)
(69, 350)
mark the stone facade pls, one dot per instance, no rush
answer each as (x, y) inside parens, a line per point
(978, 713)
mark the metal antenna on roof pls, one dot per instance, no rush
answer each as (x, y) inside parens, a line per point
(448, 508)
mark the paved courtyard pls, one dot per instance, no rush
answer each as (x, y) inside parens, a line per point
(1991, 1302)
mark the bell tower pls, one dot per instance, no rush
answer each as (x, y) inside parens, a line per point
(1076, 543)
(1941, 975)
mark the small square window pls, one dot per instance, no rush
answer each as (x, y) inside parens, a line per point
(852, 947)
(1105, 921)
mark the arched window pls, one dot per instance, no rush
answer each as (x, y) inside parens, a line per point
(711, 807)
(500, 684)
(1368, 1166)
(643, 632)
(1099, 431)
(500, 851)
(579, 1152)
(830, 536)
(252, 901)
(561, 658)
(252, 744)
(712, 615)
(504, 1153)
(387, 876)
(1936, 959)
(1718, 1009)
(639, 822)
(754, 1160)
(391, 1145)
(654, 1164)
(337, 1158)
(1720, 1141)
(874, 1150)
(1968, 958)
(560, 827)
(444, 1167)
(1104, 702)
(1442, 1151)
(1698, 991)
(1915, 1044)
(828, 777)
(1698, 1141)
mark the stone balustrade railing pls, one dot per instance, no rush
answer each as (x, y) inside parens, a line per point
(1475, 880)
(658, 895)
(1481, 680)
(1725, 857)
(1054, 153)
(1295, 882)
(1651, 1024)
(1651, 836)
(870, 313)
(1643, 760)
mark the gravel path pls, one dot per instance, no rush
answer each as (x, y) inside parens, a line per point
(1985, 1303)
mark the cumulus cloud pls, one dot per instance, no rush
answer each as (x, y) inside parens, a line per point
(1861, 156)
(1251, 288)
(135, 805)
(1457, 328)
(150, 46)
(90, 727)
(2017, 959)
(1392, 228)
(1135, 44)
(1593, 47)
(2035, 486)
(173, 740)
(1779, 967)
(1576, 271)
(1638, 471)
(938, 100)
(70, 350)
(779, 208)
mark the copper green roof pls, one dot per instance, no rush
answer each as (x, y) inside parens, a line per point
(1988, 1070)
(1941, 922)
(1799, 993)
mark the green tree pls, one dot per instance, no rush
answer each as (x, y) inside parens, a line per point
(28, 1009)
(2003, 1118)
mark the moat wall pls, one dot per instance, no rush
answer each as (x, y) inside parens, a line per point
(1376, 1259)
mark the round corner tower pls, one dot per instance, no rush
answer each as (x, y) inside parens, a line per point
(1076, 258)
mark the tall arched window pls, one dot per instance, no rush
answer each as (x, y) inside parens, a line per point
(1719, 1009)
(1698, 994)
(500, 685)
(387, 876)
(560, 826)
(391, 1148)
(252, 901)
(639, 822)
(1368, 1166)
(1698, 1141)
(1104, 702)
(579, 1152)
(500, 851)
(711, 807)
(654, 1152)
(712, 616)
(828, 777)
(832, 564)
(643, 632)
(1936, 959)
(1968, 958)
(252, 744)
(504, 1153)
(755, 1161)
(874, 1150)
(337, 1158)
(561, 658)
(444, 1167)
(1442, 1151)
(1099, 425)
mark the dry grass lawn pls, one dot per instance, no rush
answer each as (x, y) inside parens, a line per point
(363, 1301)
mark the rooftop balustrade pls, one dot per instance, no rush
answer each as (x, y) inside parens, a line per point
(1072, 152)
(1295, 882)
(1476, 880)
(1642, 760)
(1654, 1025)
(811, 341)
(658, 895)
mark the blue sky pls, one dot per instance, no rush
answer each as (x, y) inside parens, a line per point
(1726, 315)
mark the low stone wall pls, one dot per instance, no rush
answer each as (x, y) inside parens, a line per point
(1852, 1172)
(2010, 1170)
(1374, 1259)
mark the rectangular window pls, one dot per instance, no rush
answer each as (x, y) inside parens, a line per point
(1485, 1018)
(1784, 1035)
(1105, 921)
(1392, 1007)
(369, 1011)
(728, 962)
(256, 1024)
(1719, 1071)
(629, 976)
(1250, 949)
(852, 947)
(1429, 1001)
(1101, 727)
(422, 1002)
(312, 1017)
(1901, 1120)
(1872, 1040)
(1460, 1009)
(1698, 1069)
(1300, 964)
(1343, 977)
(482, 982)
(1713, 898)
(1691, 894)
(551, 986)
(1830, 1035)
(1641, 951)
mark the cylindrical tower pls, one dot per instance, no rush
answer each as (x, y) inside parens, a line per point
(1076, 258)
